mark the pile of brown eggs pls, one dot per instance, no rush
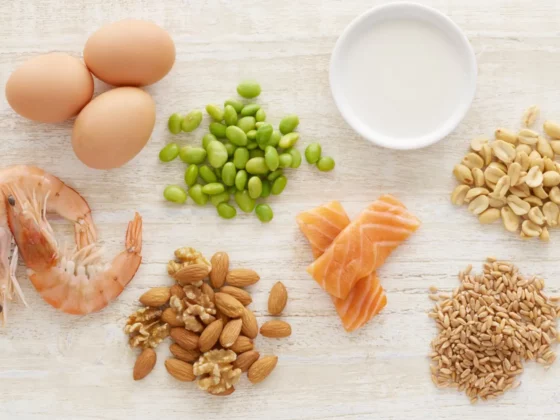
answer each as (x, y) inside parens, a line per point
(113, 128)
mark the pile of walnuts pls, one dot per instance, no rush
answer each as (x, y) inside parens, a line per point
(205, 313)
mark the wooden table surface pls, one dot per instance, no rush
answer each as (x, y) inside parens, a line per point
(56, 366)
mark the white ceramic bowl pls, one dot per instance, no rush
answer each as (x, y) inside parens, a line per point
(400, 11)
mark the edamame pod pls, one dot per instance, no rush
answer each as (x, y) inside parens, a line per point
(191, 121)
(175, 194)
(169, 152)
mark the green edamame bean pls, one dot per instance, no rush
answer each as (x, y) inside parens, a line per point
(285, 160)
(241, 157)
(256, 153)
(250, 109)
(217, 154)
(275, 138)
(244, 201)
(313, 153)
(189, 154)
(174, 123)
(252, 135)
(259, 124)
(207, 174)
(207, 139)
(264, 133)
(252, 145)
(219, 198)
(255, 187)
(236, 135)
(289, 140)
(213, 188)
(249, 89)
(264, 213)
(169, 152)
(195, 192)
(228, 174)
(218, 129)
(257, 166)
(326, 164)
(296, 157)
(191, 121)
(246, 123)
(226, 211)
(230, 115)
(237, 105)
(191, 174)
(241, 180)
(215, 111)
(278, 185)
(289, 123)
(175, 194)
(265, 188)
(260, 115)
(271, 158)
(273, 176)
(231, 148)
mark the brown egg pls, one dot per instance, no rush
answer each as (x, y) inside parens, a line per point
(130, 53)
(50, 88)
(114, 127)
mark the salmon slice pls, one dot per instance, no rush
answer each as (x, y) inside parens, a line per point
(367, 298)
(363, 246)
(322, 224)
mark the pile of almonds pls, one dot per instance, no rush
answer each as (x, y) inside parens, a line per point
(206, 315)
(513, 178)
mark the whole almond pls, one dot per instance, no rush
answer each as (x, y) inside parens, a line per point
(277, 299)
(230, 333)
(208, 291)
(228, 305)
(241, 295)
(144, 364)
(180, 353)
(170, 316)
(180, 370)
(186, 339)
(242, 277)
(276, 329)
(220, 267)
(191, 274)
(224, 318)
(225, 393)
(242, 344)
(245, 360)
(250, 326)
(210, 335)
(155, 297)
(260, 370)
(177, 290)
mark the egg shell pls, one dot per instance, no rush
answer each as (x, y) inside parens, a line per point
(50, 88)
(114, 127)
(130, 53)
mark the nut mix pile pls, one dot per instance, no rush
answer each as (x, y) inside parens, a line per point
(488, 327)
(514, 178)
(209, 322)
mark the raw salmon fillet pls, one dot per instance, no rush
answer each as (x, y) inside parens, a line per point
(322, 224)
(363, 245)
(367, 298)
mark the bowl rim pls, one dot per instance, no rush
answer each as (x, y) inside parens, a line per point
(448, 126)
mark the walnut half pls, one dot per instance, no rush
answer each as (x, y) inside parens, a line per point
(186, 256)
(145, 328)
(216, 372)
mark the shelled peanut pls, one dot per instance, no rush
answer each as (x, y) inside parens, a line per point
(513, 178)
(212, 328)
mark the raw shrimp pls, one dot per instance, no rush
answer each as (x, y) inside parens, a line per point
(75, 282)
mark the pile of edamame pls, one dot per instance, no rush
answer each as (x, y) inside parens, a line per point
(242, 156)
